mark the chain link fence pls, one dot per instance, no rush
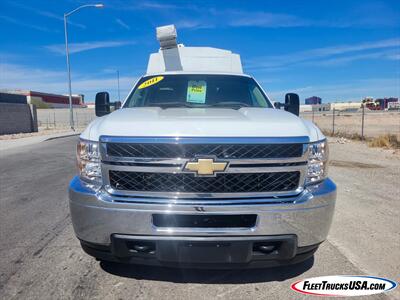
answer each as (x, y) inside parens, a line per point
(362, 124)
(59, 118)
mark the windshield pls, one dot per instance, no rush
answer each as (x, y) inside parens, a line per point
(197, 91)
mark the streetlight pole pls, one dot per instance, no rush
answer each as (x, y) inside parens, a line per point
(71, 113)
(119, 95)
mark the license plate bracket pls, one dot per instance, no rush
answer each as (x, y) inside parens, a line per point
(204, 251)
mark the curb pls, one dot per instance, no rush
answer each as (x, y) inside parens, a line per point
(60, 137)
(22, 142)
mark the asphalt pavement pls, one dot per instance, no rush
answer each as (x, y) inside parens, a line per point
(40, 258)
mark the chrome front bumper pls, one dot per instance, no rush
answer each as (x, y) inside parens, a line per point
(96, 215)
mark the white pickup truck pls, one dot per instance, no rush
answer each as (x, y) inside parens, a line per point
(198, 168)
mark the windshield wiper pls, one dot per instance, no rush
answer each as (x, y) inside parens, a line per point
(169, 104)
(231, 104)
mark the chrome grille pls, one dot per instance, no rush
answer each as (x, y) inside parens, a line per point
(153, 167)
(227, 151)
(188, 183)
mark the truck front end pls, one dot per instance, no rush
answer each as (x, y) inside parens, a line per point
(202, 202)
(199, 169)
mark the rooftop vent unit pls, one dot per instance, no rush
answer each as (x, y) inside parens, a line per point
(166, 35)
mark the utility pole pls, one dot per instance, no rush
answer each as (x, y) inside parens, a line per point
(66, 15)
(71, 113)
(119, 95)
(362, 121)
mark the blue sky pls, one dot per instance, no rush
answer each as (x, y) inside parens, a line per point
(338, 50)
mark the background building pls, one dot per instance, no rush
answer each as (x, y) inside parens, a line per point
(380, 103)
(43, 100)
(313, 100)
(346, 106)
(383, 103)
(316, 107)
(12, 98)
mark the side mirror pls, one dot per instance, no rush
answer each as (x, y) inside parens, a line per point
(278, 105)
(292, 103)
(102, 104)
(117, 105)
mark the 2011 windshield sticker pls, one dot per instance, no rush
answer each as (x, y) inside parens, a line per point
(150, 82)
(196, 92)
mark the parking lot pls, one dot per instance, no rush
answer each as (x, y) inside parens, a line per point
(41, 258)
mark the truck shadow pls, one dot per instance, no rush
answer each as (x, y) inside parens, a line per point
(141, 272)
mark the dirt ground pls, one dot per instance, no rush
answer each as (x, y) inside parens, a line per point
(41, 258)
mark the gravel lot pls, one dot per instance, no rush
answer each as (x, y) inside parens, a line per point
(41, 259)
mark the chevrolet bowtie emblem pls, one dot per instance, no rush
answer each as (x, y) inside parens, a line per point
(205, 166)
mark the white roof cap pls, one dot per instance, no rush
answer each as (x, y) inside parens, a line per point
(172, 57)
(166, 35)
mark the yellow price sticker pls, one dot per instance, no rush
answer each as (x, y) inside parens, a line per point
(150, 82)
(196, 92)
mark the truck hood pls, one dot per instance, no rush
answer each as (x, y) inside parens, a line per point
(201, 122)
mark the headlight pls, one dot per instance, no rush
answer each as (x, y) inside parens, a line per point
(317, 161)
(88, 158)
